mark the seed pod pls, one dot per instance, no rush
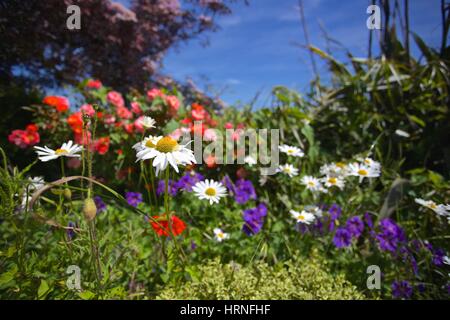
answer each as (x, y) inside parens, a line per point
(67, 194)
(89, 209)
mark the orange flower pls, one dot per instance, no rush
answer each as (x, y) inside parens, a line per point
(60, 103)
(162, 227)
(75, 121)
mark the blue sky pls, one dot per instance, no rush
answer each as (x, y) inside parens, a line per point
(256, 49)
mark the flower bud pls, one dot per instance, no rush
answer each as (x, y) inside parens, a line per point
(89, 209)
(67, 194)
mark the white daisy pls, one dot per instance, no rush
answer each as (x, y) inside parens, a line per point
(334, 169)
(303, 217)
(332, 181)
(148, 122)
(219, 235)
(370, 163)
(440, 209)
(312, 183)
(363, 171)
(209, 190)
(446, 260)
(292, 151)
(250, 161)
(288, 169)
(68, 149)
(315, 210)
(147, 144)
(165, 151)
(36, 183)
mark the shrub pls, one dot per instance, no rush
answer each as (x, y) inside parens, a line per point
(293, 279)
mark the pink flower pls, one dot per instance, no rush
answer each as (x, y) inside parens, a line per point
(136, 108)
(94, 84)
(87, 109)
(115, 98)
(83, 139)
(153, 93)
(173, 103)
(73, 163)
(124, 113)
(129, 128)
(139, 126)
(210, 135)
(229, 125)
(109, 119)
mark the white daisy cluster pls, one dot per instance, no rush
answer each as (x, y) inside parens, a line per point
(291, 151)
(442, 210)
(365, 168)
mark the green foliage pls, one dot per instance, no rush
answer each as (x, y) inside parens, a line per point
(302, 279)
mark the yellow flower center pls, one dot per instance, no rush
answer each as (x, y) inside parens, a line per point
(150, 144)
(340, 165)
(433, 206)
(287, 170)
(220, 235)
(290, 151)
(311, 184)
(301, 218)
(332, 180)
(362, 172)
(210, 192)
(166, 145)
(61, 151)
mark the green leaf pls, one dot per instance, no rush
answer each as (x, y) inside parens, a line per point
(43, 290)
(86, 295)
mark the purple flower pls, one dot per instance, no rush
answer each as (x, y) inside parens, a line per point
(401, 289)
(133, 198)
(438, 257)
(368, 220)
(228, 183)
(355, 226)
(161, 188)
(254, 219)
(244, 191)
(70, 233)
(188, 180)
(101, 206)
(335, 212)
(342, 238)
(391, 235)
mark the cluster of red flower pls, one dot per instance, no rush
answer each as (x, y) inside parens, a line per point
(25, 138)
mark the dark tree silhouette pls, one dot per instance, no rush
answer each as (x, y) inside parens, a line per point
(121, 46)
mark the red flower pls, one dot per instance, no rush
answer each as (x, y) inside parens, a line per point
(102, 145)
(25, 138)
(75, 121)
(129, 128)
(198, 112)
(94, 84)
(124, 113)
(211, 161)
(32, 127)
(60, 103)
(162, 227)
